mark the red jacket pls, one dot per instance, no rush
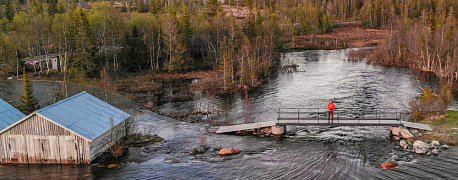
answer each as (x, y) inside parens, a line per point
(331, 106)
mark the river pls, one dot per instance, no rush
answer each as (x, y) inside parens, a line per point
(309, 153)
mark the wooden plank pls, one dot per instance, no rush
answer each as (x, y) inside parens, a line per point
(238, 127)
(417, 125)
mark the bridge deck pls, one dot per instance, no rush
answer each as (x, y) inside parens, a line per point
(360, 122)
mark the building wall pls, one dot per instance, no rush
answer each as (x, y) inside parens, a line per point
(37, 140)
(103, 142)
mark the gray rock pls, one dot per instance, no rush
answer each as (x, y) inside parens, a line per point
(435, 144)
(414, 132)
(420, 145)
(435, 151)
(395, 157)
(198, 150)
(445, 146)
(403, 143)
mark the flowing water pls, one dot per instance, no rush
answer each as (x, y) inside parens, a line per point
(309, 153)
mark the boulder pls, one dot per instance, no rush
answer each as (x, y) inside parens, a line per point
(406, 134)
(389, 165)
(414, 132)
(420, 145)
(229, 151)
(435, 144)
(396, 130)
(403, 143)
(395, 157)
(435, 151)
(428, 153)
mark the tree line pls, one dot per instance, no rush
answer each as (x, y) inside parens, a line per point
(241, 38)
(423, 36)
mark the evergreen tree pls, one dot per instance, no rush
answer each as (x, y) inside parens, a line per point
(176, 49)
(85, 49)
(28, 102)
(134, 52)
(8, 10)
(52, 7)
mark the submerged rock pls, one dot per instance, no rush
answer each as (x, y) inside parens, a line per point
(403, 143)
(445, 146)
(406, 134)
(113, 166)
(395, 157)
(229, 151)
(389, 165)
(198, 149)
(435, 151)
(435, 144)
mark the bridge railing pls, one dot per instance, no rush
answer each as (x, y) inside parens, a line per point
(340, 114)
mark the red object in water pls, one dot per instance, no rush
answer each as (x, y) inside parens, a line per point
(229, 151)
(389, 165)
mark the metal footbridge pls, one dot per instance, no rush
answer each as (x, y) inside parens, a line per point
(342, 117)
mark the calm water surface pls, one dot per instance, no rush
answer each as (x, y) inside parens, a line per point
(311, 153)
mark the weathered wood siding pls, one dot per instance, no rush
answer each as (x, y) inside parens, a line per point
(103, 142)
(38, 140)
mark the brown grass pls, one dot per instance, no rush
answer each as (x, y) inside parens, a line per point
(349, 34)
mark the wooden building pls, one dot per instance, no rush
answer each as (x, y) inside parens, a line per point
(73, 131)
(8, 114)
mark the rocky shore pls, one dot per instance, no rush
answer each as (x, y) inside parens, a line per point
(409, 146)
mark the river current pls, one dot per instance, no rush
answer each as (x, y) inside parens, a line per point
(308, 153)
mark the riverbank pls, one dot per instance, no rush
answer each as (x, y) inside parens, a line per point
(445, 129)
(345, 34)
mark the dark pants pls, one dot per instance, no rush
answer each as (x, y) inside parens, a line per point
(330, 116)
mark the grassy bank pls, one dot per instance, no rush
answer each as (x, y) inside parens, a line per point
(445, 129)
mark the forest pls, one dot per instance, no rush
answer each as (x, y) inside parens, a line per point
(242, 39)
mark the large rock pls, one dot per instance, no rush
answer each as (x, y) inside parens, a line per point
(420, 145)
(278, 130)
(403, 143)
(396, 130)
(229, 151)
(406, 134)
(198, 150)
(389, 165)
(435, 144)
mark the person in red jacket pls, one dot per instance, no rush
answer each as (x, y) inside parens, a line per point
(331, 106)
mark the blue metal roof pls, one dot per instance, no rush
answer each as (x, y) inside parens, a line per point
(8, 114)
(85, 115)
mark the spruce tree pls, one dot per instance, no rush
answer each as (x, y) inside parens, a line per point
(28, 102)
(8, 10)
